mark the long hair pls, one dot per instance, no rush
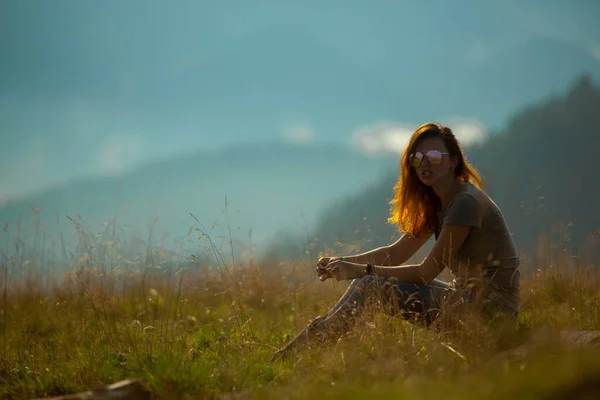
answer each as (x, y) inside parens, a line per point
(415, 205)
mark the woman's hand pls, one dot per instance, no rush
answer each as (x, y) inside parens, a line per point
(342, 270)
(322, 266)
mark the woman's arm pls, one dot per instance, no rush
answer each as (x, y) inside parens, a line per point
(394, 254)
(448, 243)
(464, 213)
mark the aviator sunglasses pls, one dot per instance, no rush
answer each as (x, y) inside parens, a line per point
(434, 157)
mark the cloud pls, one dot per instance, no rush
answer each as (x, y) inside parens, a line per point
(298, 134)
(468, 131)
(392, 137)
(119, 153)
(382, 138)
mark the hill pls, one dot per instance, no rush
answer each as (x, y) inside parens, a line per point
(260, 196)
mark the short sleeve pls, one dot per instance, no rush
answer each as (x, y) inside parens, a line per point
(465, 210)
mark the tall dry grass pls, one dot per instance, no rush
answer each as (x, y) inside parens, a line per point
(193, 329)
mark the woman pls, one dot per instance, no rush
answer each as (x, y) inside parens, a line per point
(438, 193)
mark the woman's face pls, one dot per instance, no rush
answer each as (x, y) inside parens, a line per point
(432, 162)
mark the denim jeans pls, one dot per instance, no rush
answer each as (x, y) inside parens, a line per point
(395, 296)
(410, 300)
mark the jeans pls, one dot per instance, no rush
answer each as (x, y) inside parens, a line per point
(411, 300)
(422, 303)
(397, 297)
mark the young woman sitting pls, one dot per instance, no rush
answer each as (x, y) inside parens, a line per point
(437, 194)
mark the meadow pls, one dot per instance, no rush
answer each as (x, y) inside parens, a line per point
(207, 329)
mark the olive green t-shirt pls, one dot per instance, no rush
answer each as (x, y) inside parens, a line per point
(488, 254)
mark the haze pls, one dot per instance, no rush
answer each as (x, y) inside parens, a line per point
(106, 91)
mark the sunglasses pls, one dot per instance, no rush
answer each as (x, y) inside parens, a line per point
(434, 157)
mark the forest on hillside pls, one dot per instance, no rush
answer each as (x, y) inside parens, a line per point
(541, 170)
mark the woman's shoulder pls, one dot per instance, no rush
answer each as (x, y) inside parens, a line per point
(469, 198)
(467, 193)
(468, 189)
(480, 197)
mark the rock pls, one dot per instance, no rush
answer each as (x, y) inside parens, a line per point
(539, 338)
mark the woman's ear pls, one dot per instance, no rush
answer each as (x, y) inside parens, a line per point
(453, 163)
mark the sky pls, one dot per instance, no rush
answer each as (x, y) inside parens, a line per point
(95, 88)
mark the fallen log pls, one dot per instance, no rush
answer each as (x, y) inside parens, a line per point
(124, 390)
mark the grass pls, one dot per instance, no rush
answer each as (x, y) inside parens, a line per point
(208, 332)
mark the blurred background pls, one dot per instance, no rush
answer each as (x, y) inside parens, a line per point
(279, 124)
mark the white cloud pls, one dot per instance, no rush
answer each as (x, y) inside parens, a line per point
(298, 133)
(468, 131)
(118, 153)
(392, 137)
(382, 138)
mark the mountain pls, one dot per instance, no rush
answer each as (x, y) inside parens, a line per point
(540, 170)
(269, 187)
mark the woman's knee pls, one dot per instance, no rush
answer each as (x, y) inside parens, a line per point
(371, 283)
(367, 279)
(379, 290)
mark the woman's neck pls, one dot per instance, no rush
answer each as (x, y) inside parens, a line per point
(446, 190)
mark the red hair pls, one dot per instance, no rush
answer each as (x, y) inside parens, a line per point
(415, 205)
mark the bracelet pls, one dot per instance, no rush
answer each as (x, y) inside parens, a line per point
(369, 269)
